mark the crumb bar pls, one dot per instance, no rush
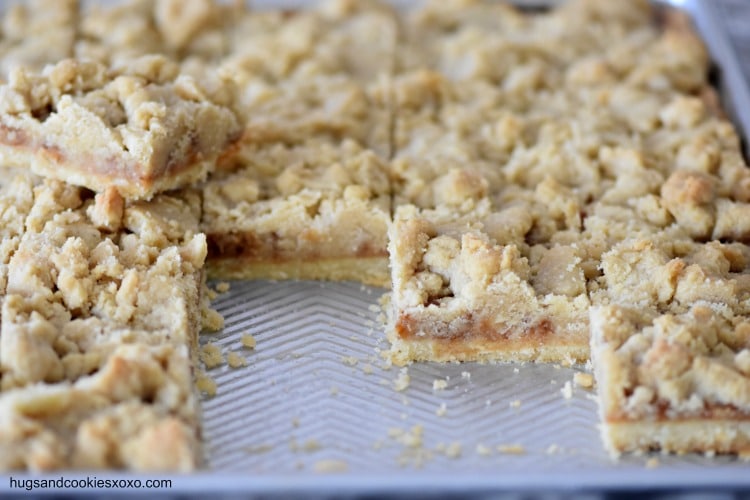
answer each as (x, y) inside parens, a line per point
(469, 287)
(142, 128)
(332, 108)
(676, 382)
(311, 211)
(99, 331)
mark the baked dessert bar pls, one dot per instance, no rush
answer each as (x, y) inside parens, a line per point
(314, 210)
(678, 382)
(332, 108)
(469, 288)
(99, 331)
(141, 128)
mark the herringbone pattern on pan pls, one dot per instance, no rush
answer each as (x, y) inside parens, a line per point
(315, 390)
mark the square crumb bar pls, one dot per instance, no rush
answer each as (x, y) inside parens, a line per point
(315, 210)
(469, 287)
(142, 128)
(332, 108)
(676, 382)
(99, 332)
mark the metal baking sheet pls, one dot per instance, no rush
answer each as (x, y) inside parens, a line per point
(318, 406)
(316, 409)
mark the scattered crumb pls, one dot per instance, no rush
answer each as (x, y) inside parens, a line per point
(293, 446)
(710, 454)
(402, 381)
(552, 449)
(222, 287)
(211, 319)
(349, 360)
(205, 384)
(377, 445)
(411, 438)
(515, 403)
(311, 445)
(258, 449)
(453, 450)
(248, 341)
(585, 380)
(516, 370)
(439, 384)
(235, 360)
(211, 356)
(483, 450)
(567, 390)
(466, 375)
(334, 391)
(652, 463)
(511, 449)
(330, 466)
(295, 422)
(211, 294)
(442, 410)
(367, 369)
(373, 308)
(488, 402)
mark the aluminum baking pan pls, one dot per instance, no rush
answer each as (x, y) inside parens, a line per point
(316, 411)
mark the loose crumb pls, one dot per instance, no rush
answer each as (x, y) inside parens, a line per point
(402, 381)
(483, 450)
(211, 319)
(516, 370)
(211, 356)
(466, 375)
(515, 403)
(453, 450)
(652, 463)
(349, 360)
(222, 287)
(439, 384)
(585, 380)
(367, 369)
(248, 341)
(511, 449)
(258, 449)
(205, 384)
(311, 445)
(552, 449)
(234, 360)
(442, 410)
(567, 390)
(334, 391)
(330, 466)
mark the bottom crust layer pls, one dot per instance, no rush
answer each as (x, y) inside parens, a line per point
(684, 436)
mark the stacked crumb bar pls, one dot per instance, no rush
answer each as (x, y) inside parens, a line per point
(554, 186)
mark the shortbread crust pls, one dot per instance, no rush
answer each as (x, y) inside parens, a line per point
(142, 128)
